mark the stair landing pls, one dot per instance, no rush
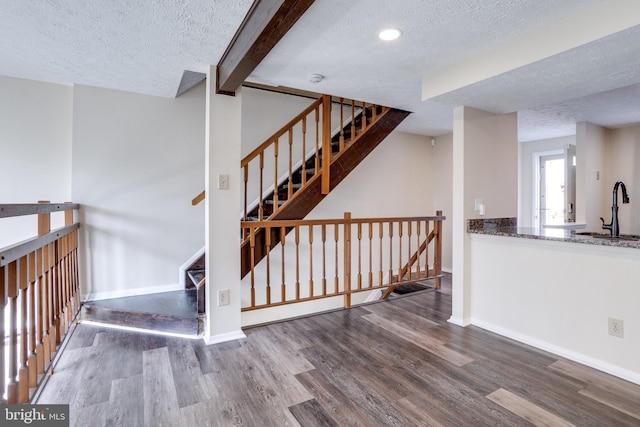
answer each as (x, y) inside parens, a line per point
(173, 312)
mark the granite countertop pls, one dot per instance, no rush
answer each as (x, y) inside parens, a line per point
(508, 227)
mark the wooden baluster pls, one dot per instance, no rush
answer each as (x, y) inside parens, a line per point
(336, 279)
(364, 117)
(324, 259)
(40, 310)
(44, 301)
(283, 286)
(347, 259)
(12, 288)
(297, 262)
(23, 372)
(267, 233)
(252, 244)
(418, 273)
(391, 252)
(55, 294)
(304, 151)
(260, 201)
(437, 265)
(341, 125)
(52, 280)
(409, 235)
(3, 304)
(290, 192)
(64, 271)
(275, 180)
(381, 235)
(353, 121)
(374, 112)
(246, 195)
(317, 163)
(359, 255)
(427, 271)
(370, 254)
(31, 360)
(326, 144)
(311, 290)
(400, 233)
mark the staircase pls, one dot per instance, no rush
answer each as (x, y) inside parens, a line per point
(295, 194)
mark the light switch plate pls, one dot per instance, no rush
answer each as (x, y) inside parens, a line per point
(223, 182)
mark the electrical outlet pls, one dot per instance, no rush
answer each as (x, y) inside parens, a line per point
(223, 297)
(616, 327)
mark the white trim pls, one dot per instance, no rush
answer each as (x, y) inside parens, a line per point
(139, 330)
(228, 336)
(460, 322)
(375, 295)
(183, 268)
(600, 365)
(447, 270)
(131, 292)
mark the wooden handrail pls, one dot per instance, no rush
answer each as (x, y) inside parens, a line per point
(39, 290)
(279, 133)
(325, 258)
(271, 175)
(20, 209)
(200, 197)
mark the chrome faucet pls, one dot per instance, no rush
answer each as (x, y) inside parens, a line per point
(613, 226)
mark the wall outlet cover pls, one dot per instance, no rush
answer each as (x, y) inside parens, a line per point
(616, 327)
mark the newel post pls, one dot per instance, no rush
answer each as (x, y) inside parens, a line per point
(326, 143)
(347, 259)
(437, 261)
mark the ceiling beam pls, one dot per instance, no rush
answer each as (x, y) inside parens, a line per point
(265, 24)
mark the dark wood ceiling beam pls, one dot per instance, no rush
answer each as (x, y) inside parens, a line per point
(265, 24)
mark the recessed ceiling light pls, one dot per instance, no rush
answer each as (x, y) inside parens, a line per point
(389, 34)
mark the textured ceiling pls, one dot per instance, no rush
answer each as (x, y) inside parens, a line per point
(139, 46)
(144, 46)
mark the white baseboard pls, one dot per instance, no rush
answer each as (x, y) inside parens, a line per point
(447, 270)
(183, 268)
(600, 365)
(459, 321)
(227, 336)
(131, 292)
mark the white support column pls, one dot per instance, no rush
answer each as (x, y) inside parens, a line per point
(222, 223)
(485, 167)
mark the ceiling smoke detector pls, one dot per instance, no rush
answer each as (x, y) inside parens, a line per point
(389, 34)
(316, 78)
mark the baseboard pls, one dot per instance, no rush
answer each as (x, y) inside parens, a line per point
(447, 270)
(131, 292)
(228, 336)
(600, 365)
(188, 263)
(459, 321)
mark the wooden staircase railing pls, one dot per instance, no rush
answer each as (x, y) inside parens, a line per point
(279, 168)
(39, 291)
(340, 257)
(289, 174)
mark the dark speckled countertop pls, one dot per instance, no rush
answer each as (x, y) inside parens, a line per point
(508, 227)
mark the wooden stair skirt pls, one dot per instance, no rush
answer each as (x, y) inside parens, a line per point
(310, 195)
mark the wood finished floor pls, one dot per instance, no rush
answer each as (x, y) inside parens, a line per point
(397, 363)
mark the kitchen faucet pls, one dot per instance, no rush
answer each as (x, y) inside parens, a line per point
(613, 226)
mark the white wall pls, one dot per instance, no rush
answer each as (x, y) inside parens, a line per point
(35, 147)
(526, 173)
(563, 307)
(624, 165)
(394, 180)
(137, 163)
(442, 184)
